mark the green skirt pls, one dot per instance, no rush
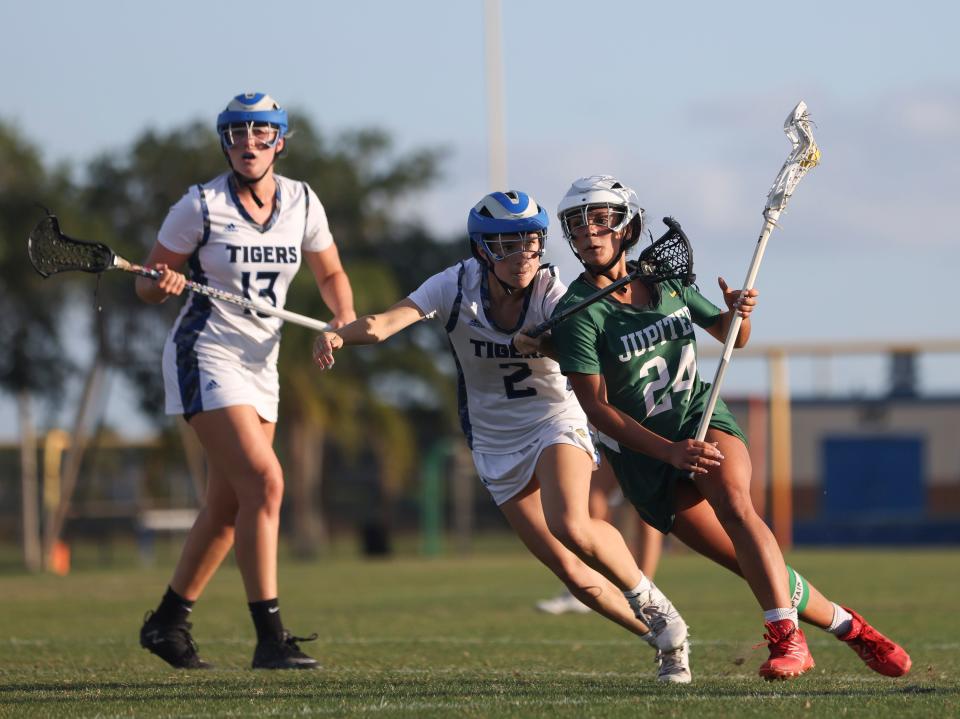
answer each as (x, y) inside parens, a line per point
(651, 485)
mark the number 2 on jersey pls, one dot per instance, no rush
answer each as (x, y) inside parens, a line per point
(683, 382)
(511, 380)
(268, 278)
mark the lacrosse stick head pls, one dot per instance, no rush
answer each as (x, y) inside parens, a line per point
(804, 156)
(670, 257)
(51, 251)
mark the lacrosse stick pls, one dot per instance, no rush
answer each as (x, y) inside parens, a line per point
(668, 258)
(804, 156)
(51, 252)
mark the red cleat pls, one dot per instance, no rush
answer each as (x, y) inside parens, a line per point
(877, 652)
(789, 655)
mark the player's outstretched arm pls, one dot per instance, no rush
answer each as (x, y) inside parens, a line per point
(738, 303)
(333, 283)
(367, 330)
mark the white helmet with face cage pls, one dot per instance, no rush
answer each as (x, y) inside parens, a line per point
(596, 191)
(601, 192)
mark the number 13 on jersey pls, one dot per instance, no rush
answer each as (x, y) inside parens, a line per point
(268, 279)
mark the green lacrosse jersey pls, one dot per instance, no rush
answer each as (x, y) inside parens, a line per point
(648, 358)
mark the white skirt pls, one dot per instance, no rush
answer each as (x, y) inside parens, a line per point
(505, 475)
(196, 383)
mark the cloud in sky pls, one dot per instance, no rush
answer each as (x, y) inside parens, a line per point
(885, 181)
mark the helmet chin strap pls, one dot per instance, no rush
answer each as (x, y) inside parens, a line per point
(509, 289)
(506, 288)
(249, 182)
(601, 270)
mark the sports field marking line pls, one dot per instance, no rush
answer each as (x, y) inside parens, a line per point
(823, 641)
(747, 674)
(818, 641)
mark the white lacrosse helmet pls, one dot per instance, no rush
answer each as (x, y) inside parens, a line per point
(600, 191)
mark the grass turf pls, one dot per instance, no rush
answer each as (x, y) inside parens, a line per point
(414, 637)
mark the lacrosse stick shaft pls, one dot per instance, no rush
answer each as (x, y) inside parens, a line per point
(683, 269)
(558, 318)
(195, 287)
(770, 221)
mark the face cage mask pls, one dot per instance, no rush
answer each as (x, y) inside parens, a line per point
(264, 135)
(530, 245)
(615, 219)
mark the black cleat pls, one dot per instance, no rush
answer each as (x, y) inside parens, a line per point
(172, 643)
(283, 653)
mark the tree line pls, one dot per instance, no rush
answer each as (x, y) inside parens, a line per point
(382, 405)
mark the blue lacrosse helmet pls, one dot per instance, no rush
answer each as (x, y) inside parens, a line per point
(505, 213)
(252, 108)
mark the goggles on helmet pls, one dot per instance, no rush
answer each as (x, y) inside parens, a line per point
(577, 220)
(503, 245)
(262, 134)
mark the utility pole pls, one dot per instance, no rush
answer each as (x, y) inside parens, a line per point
(496, 136)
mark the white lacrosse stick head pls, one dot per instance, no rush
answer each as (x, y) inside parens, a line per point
(804, 156)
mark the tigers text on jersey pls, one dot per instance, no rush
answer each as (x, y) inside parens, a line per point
(229, 251)
(503, 395)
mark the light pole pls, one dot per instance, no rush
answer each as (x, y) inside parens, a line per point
(493, 55)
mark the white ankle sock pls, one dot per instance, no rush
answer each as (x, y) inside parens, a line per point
(773, 615)
(650, 638)
(842, 621)
(643, 586)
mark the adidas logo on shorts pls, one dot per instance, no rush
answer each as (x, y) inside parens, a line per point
(212, 384)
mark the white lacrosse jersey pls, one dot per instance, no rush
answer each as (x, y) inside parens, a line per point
(504, 396)
(229, 251)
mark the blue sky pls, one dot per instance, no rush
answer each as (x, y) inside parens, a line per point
(684, 101)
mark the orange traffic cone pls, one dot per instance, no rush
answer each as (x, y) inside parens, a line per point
(60, 558)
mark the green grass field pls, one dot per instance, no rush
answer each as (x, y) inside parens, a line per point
(414, 637)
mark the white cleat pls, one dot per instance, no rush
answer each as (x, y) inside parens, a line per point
(658, 613)
(674, 667)
(564, 603)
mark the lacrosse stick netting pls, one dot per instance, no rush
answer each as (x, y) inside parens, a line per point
(50, 251)
(669, 257)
